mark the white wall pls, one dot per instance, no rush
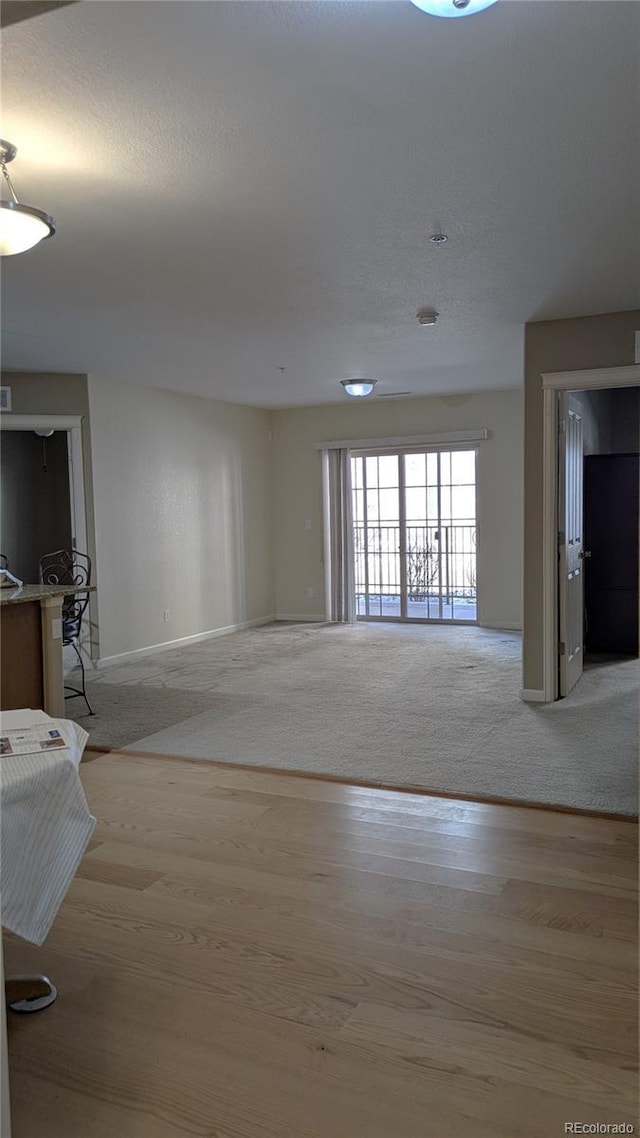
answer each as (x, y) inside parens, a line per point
(298, 490)
(182, 499)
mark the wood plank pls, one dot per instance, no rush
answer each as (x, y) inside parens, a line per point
(247, 1067)
(445, 909)
(390, 874)
(124, 876)
(465, 938)
(481, 853)
(298, 877)
(302, 790)
(247, 944)
(432, 793)
(487, 1052)
(309, 818)
(541, 848)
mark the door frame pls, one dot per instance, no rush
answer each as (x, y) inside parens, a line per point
(553, 383)
(400, 452)
(72, 426)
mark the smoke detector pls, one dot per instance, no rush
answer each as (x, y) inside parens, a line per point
(427, 316)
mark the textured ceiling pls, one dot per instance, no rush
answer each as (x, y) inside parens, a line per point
(243, 187)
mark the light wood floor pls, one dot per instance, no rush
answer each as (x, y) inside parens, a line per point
(250, 955)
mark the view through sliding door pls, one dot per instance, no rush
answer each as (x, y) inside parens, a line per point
(414, 516)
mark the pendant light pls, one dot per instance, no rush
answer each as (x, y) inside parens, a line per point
(21, 226)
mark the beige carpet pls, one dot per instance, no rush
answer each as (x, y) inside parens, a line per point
(427, 706)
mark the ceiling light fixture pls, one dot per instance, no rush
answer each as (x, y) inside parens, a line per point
(427, 316)
(452, 8)
(438, 238)
(358, 388)
(21, 226)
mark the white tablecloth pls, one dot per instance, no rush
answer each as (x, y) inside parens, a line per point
(45, 826)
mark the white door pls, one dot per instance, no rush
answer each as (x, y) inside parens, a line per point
(570, 547)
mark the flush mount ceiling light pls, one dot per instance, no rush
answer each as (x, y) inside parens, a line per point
(358, 388)
(21, 226)
(452, 7)
(427, 316)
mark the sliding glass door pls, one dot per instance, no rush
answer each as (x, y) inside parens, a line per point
(415, 535)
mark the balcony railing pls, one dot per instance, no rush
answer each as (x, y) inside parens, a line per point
(428, 573)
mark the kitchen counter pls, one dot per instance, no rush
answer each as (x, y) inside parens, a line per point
(31, 666)
(24, 594)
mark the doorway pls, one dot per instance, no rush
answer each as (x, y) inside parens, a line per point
(563, 627)
(69, 431)
(36, 499)
(62, 427)
(414, 535)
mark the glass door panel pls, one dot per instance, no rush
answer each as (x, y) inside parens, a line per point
(440, 494)
(377, 535)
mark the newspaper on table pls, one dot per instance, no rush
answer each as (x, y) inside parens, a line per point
(50, 736)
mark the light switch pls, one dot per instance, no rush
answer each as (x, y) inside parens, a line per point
(307, 524)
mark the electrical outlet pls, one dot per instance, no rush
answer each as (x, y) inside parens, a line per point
(309, 592)
(307, 524)
(166, 615)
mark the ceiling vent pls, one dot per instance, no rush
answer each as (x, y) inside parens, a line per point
(393, 394)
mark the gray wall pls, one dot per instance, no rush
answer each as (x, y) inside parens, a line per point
(35, 515)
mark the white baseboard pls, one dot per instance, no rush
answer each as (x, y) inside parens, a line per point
(308, 618)
(183, 642)
(533, 695)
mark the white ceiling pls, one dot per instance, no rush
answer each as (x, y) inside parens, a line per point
(241, 187)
